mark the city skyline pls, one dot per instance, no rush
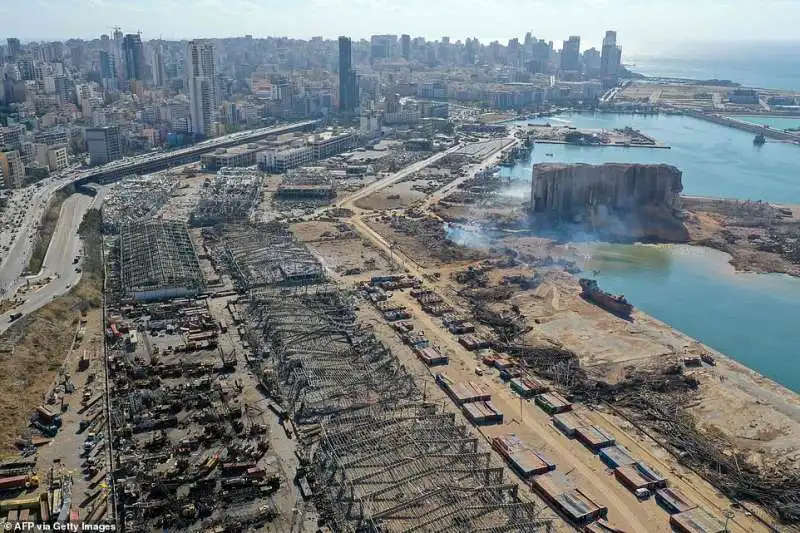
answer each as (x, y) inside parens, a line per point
(647, 27)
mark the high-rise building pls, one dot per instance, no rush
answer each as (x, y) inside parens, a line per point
(610, 57)
(108, 69)
(201, 79)
(12, 169)
(348, 89)
(103, 144)
(405, 46)
(157, 65)
(133, 57)
(26, 68)
(13, 48)
(571, 54)
(383, 46)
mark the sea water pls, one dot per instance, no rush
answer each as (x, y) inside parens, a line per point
(752, 318)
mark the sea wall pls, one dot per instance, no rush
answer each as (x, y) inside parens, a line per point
(618, 201)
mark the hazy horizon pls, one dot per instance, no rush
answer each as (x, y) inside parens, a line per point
(642, 27)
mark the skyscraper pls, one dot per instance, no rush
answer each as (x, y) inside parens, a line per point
(13, 48)
(348, 91)
(405, 46)
(571, 54)
(201, 73)
(133, 57)
(108, 70)
(610, 57)
(157, 65)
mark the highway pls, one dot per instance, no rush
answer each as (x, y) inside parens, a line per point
(58, 265)
(15, 260)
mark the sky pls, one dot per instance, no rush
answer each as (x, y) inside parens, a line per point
(643, 26)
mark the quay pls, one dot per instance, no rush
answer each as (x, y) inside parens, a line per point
(623, 137)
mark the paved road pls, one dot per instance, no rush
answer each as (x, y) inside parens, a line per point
(58, 263)
(16, 259)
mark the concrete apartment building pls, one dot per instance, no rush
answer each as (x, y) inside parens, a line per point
(12, 169)
(103, 144)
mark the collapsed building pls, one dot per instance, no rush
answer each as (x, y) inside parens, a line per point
(230, 196)
(307, 183)
(377, 456)
(158, 261)
(135, 199)
(619, 200)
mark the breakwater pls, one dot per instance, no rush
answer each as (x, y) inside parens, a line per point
(745, 126)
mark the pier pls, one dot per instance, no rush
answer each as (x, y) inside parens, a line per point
(768, 132)
(623, 137)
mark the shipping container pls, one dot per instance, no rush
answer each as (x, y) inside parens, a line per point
(594, 437)
(639, 476)
(44, 509)
(696, 520)
(528, 387)
(616, 456)
(569, 422)
(482, 413)
(13, 482)
(525, 461)
(431, 356)
(461, 393)
(575, 503)
(673, 500)
(552, 403)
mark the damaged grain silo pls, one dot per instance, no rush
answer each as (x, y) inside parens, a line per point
(619, 201)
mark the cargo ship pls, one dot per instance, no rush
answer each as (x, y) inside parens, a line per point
(617, 305)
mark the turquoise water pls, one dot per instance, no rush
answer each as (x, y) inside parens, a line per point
(749, 317)
(752, 318)
(715, 160)
(778, 123)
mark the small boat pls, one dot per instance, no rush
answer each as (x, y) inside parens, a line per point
(549, 154)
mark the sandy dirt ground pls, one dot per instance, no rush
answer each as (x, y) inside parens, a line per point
(559, 308)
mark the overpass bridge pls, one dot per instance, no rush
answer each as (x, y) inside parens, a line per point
(147, 163)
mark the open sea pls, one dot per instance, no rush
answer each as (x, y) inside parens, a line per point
(769, 65)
